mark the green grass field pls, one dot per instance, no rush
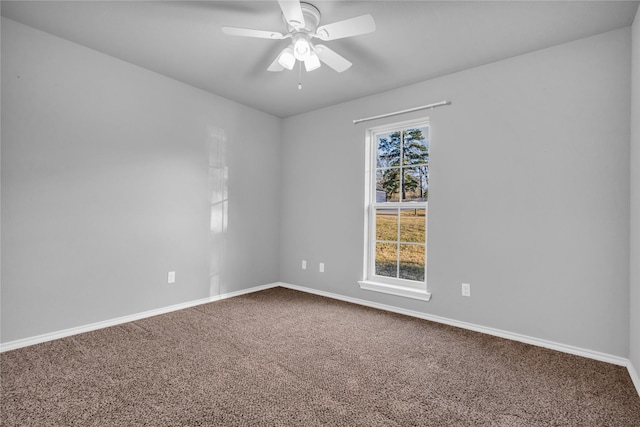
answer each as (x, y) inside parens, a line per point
(412, 231)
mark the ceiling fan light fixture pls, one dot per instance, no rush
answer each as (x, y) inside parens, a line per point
(287, 59)
(312, 62)
(301, 47)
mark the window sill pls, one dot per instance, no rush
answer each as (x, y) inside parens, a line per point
(401, 291)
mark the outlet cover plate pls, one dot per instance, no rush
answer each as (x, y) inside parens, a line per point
(466, 290)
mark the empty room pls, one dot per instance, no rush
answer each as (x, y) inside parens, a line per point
(350, 213)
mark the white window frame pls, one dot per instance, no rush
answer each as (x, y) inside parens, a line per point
(371, 281)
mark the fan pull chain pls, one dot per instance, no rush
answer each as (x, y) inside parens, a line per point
(300, 75)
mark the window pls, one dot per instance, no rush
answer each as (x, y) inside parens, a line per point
(397, 193)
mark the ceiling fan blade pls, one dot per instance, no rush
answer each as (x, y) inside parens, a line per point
(292, 13)
(349, 27)
(332, 59)
(248, 32)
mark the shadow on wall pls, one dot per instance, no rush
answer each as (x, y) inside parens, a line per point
(218, 190)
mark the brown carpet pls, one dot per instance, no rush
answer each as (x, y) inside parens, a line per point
(286, 358)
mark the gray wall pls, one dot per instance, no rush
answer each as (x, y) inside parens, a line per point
(634, 340)
(106, 188)
(529, 195)
(113, 175)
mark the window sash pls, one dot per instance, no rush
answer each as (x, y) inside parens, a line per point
(373, 241)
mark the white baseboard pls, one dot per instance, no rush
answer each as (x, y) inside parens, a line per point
(577, 351)
(634, 376)
(604, 357)
(12, 345)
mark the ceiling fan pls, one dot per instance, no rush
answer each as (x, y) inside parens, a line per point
(302, 20)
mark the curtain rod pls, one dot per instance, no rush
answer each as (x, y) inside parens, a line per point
(409, 110)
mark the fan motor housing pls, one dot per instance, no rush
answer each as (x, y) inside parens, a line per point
(311, 16)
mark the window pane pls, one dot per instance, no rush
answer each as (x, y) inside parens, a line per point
(416, 146)
(413, 225)
(387, 185)
(387, 224)
(387, 259)
(412, 262)
(389, 151)
(415, 180)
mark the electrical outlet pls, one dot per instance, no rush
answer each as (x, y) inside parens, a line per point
(321, 267)
(304, 264)
(466, 290)
(171, 277)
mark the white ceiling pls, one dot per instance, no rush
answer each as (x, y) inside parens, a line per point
(414, 41)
